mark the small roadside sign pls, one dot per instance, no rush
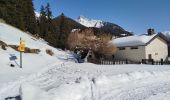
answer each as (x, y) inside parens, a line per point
(21, 47)
(12, 57)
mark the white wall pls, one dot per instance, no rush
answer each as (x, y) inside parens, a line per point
(158, 49)
(131, 54)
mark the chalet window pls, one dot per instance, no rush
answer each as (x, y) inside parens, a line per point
(122, 48)
(134, 47)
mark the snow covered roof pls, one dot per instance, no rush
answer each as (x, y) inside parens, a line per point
(133, 40)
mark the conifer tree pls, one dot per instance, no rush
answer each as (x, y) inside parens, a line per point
(51, 35)
(64, 31)
(48, 11)
(42, 22)
(19, 13)
(9, 11)
(29, 16)
(49, 22)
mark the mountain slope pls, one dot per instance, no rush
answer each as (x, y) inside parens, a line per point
(83, 23)
(90, 22)
(105, 26)
(72, 24)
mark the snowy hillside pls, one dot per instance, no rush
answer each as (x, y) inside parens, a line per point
(11, 36)
(45, 77)
(31, 62)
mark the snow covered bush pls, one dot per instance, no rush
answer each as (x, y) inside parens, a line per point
(30, 92)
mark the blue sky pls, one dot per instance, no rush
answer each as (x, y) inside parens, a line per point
(133, 15)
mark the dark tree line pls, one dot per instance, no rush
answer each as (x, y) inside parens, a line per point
(47, 28)
(19, 13)
(55, 30)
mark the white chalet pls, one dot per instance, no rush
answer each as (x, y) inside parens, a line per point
(136, 48)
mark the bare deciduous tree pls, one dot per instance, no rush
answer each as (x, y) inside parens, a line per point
(88, 40)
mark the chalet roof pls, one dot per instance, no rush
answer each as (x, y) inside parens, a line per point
(136, 40)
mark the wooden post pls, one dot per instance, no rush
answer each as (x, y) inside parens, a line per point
(152, 61)
(126, 61)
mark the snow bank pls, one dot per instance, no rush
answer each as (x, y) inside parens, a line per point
(81, 90)
(87, 81)
(127, 77)
(29, 92)
(93, 89)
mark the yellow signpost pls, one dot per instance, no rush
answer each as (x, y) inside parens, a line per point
(21, 48)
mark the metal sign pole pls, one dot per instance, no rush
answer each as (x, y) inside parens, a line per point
(21, 48)
(20, 56)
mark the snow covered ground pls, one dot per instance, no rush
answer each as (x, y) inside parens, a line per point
(71, 81)
(45, 77)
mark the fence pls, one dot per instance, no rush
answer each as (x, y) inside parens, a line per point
(152, 62)
(120, 62)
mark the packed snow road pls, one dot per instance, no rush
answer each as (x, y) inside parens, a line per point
(138, 89)
(71, 81)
